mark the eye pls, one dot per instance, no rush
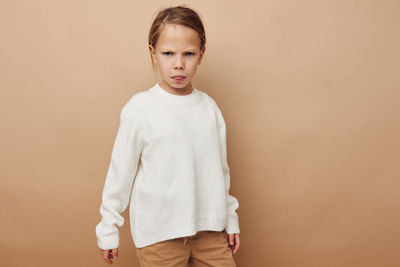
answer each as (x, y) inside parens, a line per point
(191, 54)
(166, 53)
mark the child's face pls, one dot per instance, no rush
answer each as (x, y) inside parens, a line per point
(177, 53)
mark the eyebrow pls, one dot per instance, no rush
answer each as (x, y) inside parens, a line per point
(188, 49)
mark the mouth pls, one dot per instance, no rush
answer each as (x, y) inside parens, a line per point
(178, 78)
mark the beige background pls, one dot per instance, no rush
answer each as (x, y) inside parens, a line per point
(309, 91)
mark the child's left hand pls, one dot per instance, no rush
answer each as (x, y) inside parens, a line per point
(234, 242)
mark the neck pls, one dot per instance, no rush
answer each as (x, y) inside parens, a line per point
(188, 98)
(177, 91)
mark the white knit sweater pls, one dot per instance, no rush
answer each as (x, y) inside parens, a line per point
(169, 162)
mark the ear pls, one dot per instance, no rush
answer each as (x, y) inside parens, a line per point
(152, 51)
(201, 54)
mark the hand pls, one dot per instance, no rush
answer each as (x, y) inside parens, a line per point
(234, 242)
(109, 254)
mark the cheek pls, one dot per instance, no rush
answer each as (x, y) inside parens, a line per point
(164, 64)
(194, 64)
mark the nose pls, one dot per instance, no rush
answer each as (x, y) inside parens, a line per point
(179, 63)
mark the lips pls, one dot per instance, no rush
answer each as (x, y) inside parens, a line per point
(178, 78)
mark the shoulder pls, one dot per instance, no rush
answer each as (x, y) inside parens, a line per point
(138, 104)
(208, 100)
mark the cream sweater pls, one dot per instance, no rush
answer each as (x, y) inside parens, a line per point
(169, 162)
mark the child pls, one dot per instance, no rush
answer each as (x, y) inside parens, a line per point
(169, 161)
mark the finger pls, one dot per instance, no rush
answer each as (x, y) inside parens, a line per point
(104, 253)
(235, 248)
(231, 239)
(115, 253)
(237, 244)
(106, 256)
(237, 239)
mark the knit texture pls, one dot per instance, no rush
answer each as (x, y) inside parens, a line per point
(169, 164)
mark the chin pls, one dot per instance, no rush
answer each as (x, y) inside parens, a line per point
(179, 85)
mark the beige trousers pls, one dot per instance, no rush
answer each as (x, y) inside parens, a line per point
(205, 248)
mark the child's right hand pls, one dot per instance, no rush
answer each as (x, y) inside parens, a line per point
(109, 254)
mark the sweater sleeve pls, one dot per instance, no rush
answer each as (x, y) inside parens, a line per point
(119, 180)
(233, 204)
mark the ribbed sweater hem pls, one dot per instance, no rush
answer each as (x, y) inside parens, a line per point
(177, 231)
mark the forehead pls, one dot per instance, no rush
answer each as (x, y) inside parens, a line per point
(177, 37)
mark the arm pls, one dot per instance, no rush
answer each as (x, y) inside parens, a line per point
(233, 204)
(119, 180)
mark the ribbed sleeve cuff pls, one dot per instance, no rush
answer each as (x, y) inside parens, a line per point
(232, 226)
(108, 242)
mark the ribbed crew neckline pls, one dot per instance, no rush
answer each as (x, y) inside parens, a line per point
(193, 97)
